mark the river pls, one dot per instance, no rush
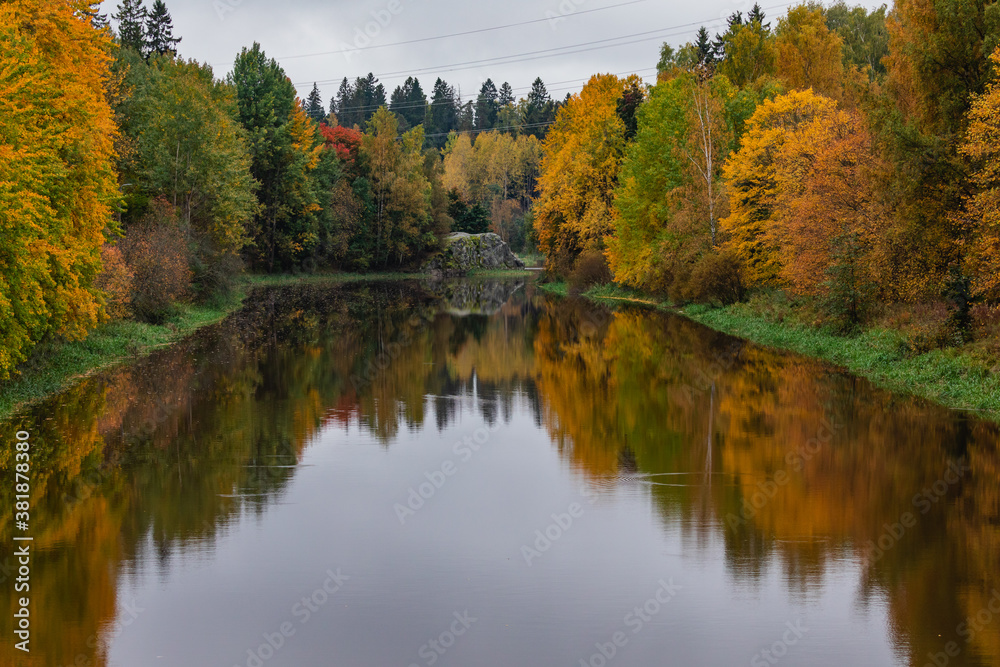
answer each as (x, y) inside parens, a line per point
(476, 473)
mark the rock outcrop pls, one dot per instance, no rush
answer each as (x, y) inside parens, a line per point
(465, 252)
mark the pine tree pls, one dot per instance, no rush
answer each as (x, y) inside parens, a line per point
(160, 38)
(313, 105)
(131, 18)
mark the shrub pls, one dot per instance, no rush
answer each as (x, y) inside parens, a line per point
(115, 280)
(717, 277)
(591, 268)
(156, 250)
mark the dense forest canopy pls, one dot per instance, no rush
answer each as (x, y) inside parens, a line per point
(843, 156)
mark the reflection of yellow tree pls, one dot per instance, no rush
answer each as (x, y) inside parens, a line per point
(848, 460)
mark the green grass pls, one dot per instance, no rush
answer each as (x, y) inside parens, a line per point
(55, 366)
(500, 273)
(953, 377)
(532, 260)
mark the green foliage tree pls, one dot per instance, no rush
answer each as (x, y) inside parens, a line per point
(487, 106)
(284, 149)
(442, 114)
(864, 35)
(409, 103)
(314, 105)
(190, 149)
(131, 20)
(159, 32)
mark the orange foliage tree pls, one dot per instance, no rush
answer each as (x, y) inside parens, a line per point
(57, 184)
(753, 180)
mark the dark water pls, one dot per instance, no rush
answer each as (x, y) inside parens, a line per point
(392, 474)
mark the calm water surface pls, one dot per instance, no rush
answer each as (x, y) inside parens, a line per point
(379, 474)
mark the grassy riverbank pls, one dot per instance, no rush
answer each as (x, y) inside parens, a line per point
(957, 378)
(55, 366)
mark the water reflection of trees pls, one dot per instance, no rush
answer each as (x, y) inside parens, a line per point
(680, 399)
(164, 454)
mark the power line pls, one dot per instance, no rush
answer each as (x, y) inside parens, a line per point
(521, 57)
(461, 34)
(544, 53)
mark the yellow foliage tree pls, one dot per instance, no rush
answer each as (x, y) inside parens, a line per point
(982, 147)
(752, 179)
(808, 53)
(582, 154)
(57, 185)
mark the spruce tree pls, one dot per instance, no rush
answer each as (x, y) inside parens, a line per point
(131, 19)
(313, 105)
(506, 95)
(487, 106)
(442, 114)
(704, 48)
(160, 38)
(343, 107)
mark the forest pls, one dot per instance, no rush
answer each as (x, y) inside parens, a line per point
(845, 159)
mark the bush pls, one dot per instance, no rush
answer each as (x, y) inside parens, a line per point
(156, 250)
(717, 277)
(215, 273)
(590, 268)
(115, 280)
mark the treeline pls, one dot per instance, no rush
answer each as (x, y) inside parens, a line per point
(132, 180)
(848, 158)
(443, 113)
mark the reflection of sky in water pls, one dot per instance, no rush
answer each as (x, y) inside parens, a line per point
(272, 470)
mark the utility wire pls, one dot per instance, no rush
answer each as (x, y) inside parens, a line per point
(461, 34)
(531, 55)
(516, 57)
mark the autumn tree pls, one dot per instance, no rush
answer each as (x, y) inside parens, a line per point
(982, 147)
(937, 64)
(400, 191)
(752, 180)
(57, 183)
(579, 172)
(830, 218)
(809, 53)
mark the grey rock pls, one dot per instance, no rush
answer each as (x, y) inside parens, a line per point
(466, 252)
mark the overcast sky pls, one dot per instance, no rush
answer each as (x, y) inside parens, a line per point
(325, 40)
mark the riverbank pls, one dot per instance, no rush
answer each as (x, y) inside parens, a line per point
(955, 377)
(55, 366)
